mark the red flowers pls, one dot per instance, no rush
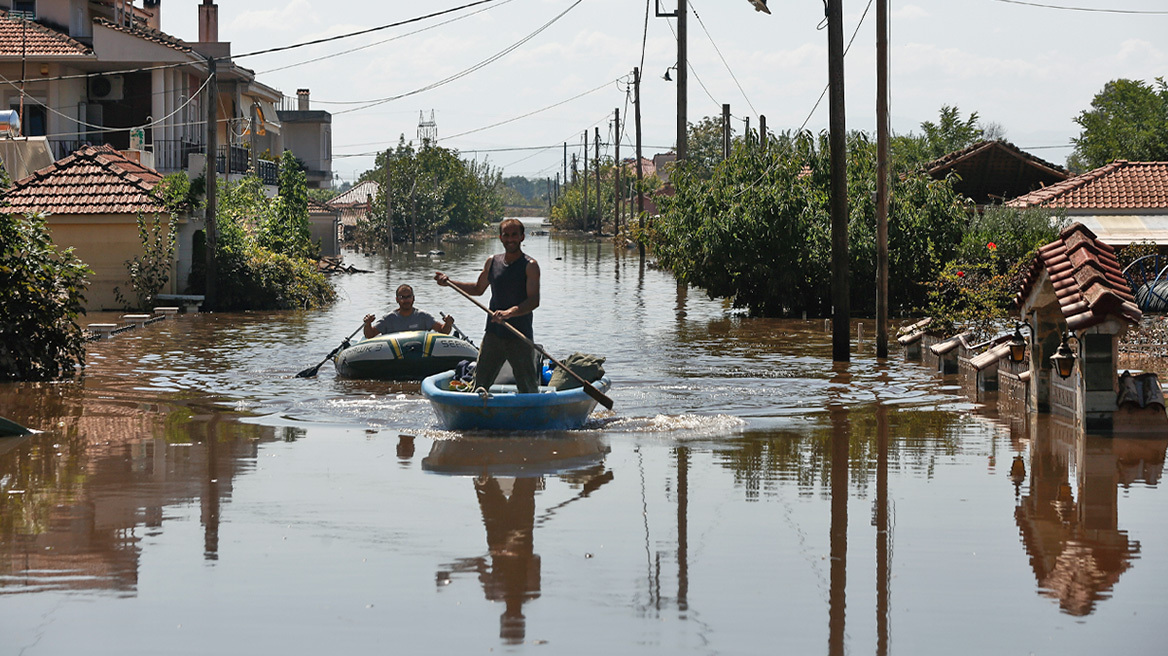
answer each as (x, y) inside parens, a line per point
(992, 246)
(960, 274)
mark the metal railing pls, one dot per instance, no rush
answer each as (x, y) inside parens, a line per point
(171, 155)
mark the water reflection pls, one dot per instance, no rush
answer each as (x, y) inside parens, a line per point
(81, 498)
(1069, 515)
(507, 474)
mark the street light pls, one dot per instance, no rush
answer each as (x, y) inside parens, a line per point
(1064, 358)
(760, 5)
(1018, 342)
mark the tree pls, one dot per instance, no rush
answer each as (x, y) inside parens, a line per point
(1128, 120)
(950, 133)
(704, 147)
(287, 228)
(41, 299)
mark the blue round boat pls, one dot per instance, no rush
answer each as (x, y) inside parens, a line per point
(505, 409)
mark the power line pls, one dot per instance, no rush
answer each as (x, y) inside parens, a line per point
(1088, 9)
(724, 62)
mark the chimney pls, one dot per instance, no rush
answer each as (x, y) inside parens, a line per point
(208, 22)
(302, 96)
(154, 14)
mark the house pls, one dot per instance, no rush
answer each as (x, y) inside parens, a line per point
(308, 134)
(92, 199)
(1122, 202)
(355, 204)
(324, 224)
(1077, 305)
(100, 71)
(989, 172)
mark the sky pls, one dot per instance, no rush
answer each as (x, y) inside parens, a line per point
(510, 81)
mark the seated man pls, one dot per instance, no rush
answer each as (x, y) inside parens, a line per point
(405, 317)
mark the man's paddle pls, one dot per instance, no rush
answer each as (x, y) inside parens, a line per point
(458, 333)
(588, 388)
(311, 371)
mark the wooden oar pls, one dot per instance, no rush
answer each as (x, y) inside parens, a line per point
(311, 371)
(10, 428)
(458, 333)
(588, 388)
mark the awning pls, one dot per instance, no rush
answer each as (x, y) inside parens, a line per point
(266, 117)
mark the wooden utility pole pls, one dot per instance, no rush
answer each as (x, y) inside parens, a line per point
(725, 131)
(616, 173)
(565, 163)
(388, 205)
(211, 228)
(841, 303)
(253, 146)
(682, 84)
(585, 180)
(640, 193)
(762, 135)
(548, 182)
(882, 148)
(599, 207)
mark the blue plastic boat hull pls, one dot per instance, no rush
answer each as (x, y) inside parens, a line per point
(506, 410)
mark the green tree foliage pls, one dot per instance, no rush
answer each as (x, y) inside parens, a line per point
(286, 228)
(520, 191)
(758, 229)
(1128, 120)
(150, 271)
(432, 192)
(251, 276)
(41, 299)
(573, 212)
(950, 133)
(704, 145)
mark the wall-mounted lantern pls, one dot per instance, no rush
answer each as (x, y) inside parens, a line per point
(1018, 342)
(1064, 358)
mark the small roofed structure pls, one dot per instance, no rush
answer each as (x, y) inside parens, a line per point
(355, 204)
(1076, 301)
(990, 172)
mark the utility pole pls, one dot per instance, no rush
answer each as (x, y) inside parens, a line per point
(565, 163)
(640, 194)
(254, 147)
(762, 135)
(882, 148)
(388, 205)
(599, 211)
(841, 304)
(211, 228)
(682, 84)
(548, 182)
(616, 173)
(586, 180)
(726, 131)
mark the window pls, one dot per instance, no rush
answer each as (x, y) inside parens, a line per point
(1098, 369)
(23, 9)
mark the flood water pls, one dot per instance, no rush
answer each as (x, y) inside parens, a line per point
(745, 495)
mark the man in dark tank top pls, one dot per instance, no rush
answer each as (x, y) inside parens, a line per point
(513, 277)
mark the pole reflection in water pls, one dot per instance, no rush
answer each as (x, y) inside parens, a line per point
(507, 474)
(839, 530)
(883, 550)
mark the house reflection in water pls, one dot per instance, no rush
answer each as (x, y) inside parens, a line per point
(511, 470)
(1071, 528)
(89, 492)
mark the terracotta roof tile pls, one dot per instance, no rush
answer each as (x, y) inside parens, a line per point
(355, 195)
(989, 171)
(148, 34)
(1120, 185)
(19, 38)
(93, 180)
(1086, 279)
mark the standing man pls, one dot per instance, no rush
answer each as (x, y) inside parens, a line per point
(513, 277)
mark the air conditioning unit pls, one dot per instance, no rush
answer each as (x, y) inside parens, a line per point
(106, 87)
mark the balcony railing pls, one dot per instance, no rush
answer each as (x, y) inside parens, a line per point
(172, 155)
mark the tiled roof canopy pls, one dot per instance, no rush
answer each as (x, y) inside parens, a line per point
(1086, 279)
(1120, 185)
(23, 38)
(355, 195)
(990, 171)
(93, 180)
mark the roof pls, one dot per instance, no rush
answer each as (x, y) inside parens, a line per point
(22, 38)
(1120, 185)
(152, 35)
(989, 171)
(356, 195)
(1086, 278)
(92, 180)
(317, 207)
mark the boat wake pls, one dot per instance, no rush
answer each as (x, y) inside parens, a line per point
(696, 425)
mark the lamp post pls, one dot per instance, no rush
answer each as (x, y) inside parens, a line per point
(682, 75)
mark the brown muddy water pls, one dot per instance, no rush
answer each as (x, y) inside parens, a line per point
(746, 496)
